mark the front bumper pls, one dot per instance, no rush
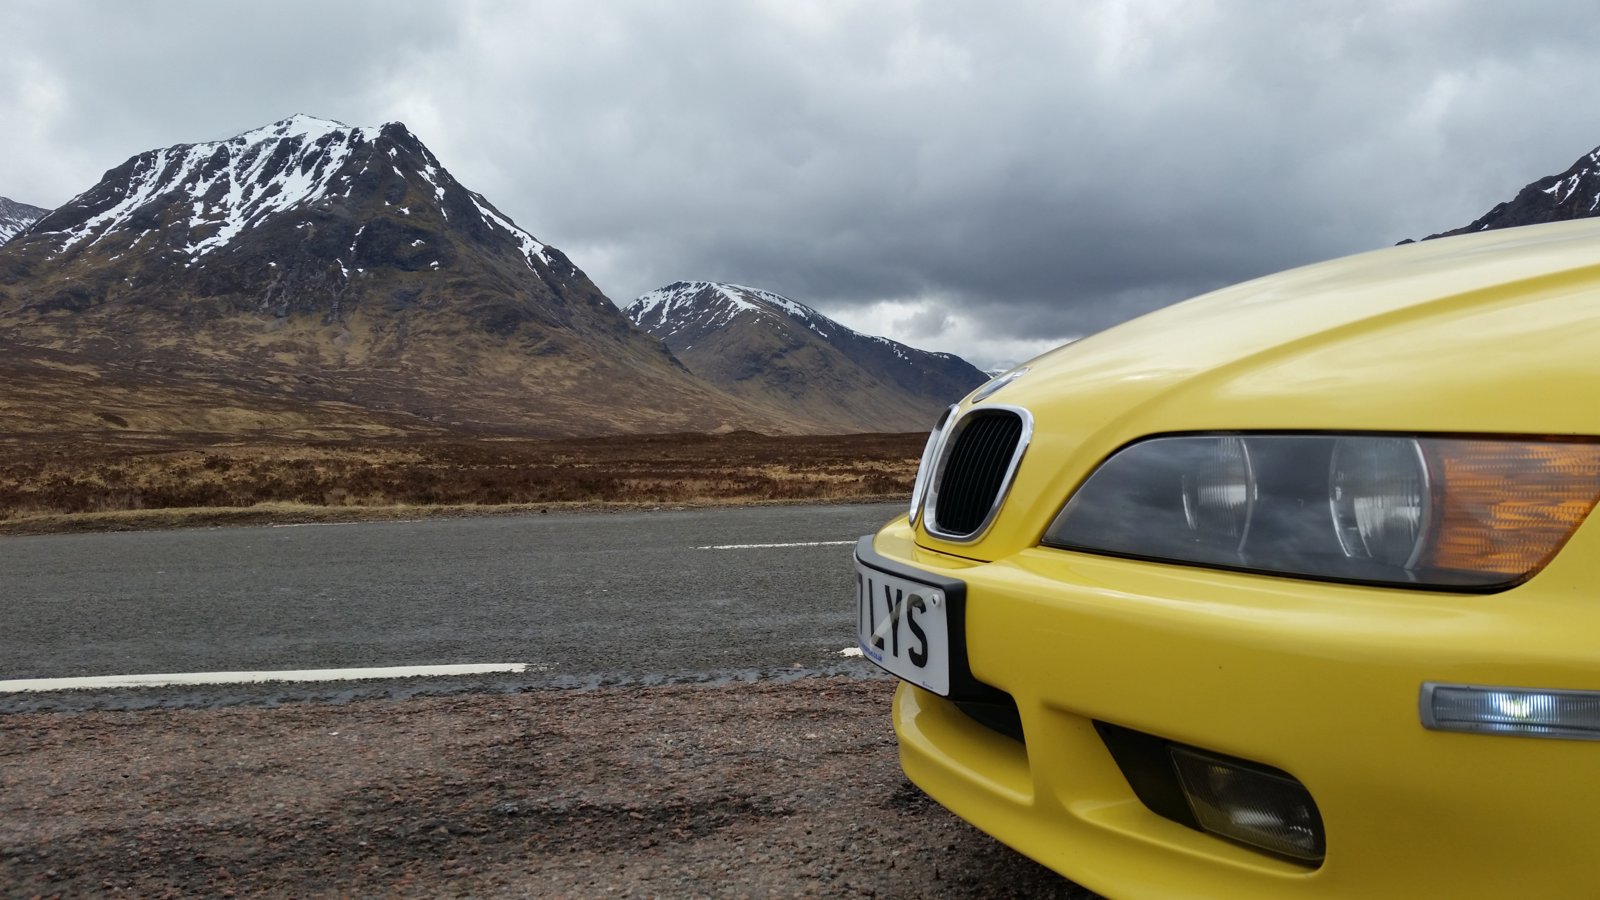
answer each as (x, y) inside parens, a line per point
(1319, 680)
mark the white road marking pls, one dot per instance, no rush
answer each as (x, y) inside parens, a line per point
(314, 524)
(851, 652)
(201, 678)
(767, 546)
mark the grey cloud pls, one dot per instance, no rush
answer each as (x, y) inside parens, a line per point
(925, 323)
(1033, 170)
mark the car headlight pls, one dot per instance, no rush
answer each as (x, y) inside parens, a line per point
(1453, 513)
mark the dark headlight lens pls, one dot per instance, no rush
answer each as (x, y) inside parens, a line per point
(1219, 492)
(1432, 512)
(1380, 498)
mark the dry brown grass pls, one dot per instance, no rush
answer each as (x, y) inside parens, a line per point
(59, 485)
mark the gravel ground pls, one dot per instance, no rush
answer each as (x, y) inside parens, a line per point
(746, 790)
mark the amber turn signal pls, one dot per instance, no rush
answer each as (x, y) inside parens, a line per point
(1508, 507)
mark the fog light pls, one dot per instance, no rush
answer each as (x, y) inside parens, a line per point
(1268, 810)
(1513, 711)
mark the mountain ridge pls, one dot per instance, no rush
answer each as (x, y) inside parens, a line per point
(313, 261)
(1572, 194)
(15, 217)
(768, 348)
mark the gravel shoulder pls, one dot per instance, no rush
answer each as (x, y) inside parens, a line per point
(745, 790)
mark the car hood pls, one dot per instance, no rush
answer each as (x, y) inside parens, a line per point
(1490, 333)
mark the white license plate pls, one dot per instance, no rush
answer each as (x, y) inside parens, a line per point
(903, 626)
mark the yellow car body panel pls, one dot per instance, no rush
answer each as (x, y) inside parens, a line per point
(1492, 334)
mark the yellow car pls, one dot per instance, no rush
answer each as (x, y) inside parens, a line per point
(1286, 591)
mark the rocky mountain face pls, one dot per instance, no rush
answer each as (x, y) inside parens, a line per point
(1573, 194)
(771, 350)
(14, 217)
(341, 277)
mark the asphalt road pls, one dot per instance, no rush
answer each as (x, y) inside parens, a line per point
(583, 598)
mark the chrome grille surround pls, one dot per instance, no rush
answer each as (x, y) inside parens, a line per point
(976, 464)
(930, 455)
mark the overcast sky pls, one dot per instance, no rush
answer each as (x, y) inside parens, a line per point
(987, 179)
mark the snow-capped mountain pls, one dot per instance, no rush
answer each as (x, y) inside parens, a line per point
(286, 189)
(1573, 194)
(699, 306)
(770, 349)
(14, 217)
(328, 263)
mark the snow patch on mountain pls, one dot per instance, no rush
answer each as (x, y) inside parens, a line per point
(234, 183)
(531, 248)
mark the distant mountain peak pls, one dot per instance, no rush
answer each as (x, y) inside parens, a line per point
(16, 217)
(714, 304)
(768, 348)
(198, 199)
(230, 185)
(298, 124)
(1573, 194)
